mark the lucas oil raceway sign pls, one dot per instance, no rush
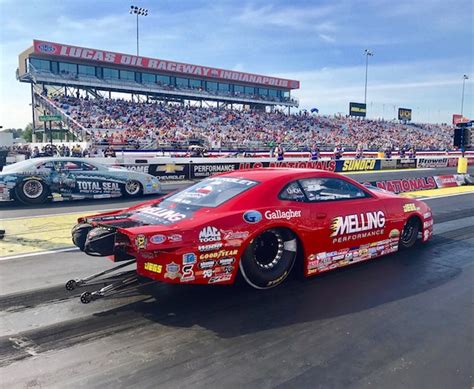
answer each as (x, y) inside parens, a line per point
(103, 56)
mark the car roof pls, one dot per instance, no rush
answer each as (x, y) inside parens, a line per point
(269, 174)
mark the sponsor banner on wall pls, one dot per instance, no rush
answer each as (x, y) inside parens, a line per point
(406, 184)
(420, 183)
(386, 164)
(432, 162)
(203, 170)
(356, 165)
(406, 163)
(449, 180)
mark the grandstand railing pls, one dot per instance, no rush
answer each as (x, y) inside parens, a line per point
(73, 125)
(66, 78)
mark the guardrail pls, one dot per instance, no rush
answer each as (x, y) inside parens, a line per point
(169, 169)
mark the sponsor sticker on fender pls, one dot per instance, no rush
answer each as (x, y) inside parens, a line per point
(218, 254)
(141, 241)
(172, 271)
(209, 234)
(153, 267)
(357, 226)
(278, 214)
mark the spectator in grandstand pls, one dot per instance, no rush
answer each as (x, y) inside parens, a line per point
(359, 152)
(109, 152)
(35, 153)
(122, 122)
(280, 153)
(314, 153)
(338, 152)
(76, 151)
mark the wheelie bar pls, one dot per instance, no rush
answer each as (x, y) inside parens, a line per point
(111, 289)
(76, 283)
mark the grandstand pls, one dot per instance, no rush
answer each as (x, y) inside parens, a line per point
(53, 68)
(171, 105)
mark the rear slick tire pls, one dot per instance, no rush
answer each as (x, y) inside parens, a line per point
(409, 234)
(268, 259)
(79, 234)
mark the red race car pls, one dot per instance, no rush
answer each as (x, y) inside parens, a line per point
(256, 222)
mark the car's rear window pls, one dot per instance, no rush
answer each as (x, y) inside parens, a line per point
(211, 192)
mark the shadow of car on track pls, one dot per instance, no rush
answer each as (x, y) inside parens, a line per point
(239, 310)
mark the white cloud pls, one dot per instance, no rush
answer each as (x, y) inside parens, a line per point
(433, 95)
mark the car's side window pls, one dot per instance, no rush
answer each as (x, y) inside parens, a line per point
(88, 167)
(45, 166)
(330, 189)
(71, 166)
(292, 192)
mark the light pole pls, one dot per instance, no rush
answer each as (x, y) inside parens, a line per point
(464, 78)
(367, 53)
(139, 12)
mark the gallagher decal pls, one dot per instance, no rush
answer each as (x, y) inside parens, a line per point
(357, 226)
(287, 215)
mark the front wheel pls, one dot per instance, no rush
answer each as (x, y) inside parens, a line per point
(132, 188)
(32, 191)
(269, 258)
(409, 233)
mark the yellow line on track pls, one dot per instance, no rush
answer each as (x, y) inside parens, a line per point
(37, 234)
(440, 192)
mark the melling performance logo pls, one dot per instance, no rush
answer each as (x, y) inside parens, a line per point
(357, 226)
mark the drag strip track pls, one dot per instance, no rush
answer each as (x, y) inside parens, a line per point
(404, 320)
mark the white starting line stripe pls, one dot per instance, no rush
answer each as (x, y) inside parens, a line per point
(39, 253)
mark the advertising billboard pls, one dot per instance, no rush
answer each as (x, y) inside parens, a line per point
(404, 114)
(357, 109)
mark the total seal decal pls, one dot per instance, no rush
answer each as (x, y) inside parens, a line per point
(357, 226)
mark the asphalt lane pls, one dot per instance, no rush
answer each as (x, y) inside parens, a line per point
(404, 320)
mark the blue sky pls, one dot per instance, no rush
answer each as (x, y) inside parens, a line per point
(422, 48)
